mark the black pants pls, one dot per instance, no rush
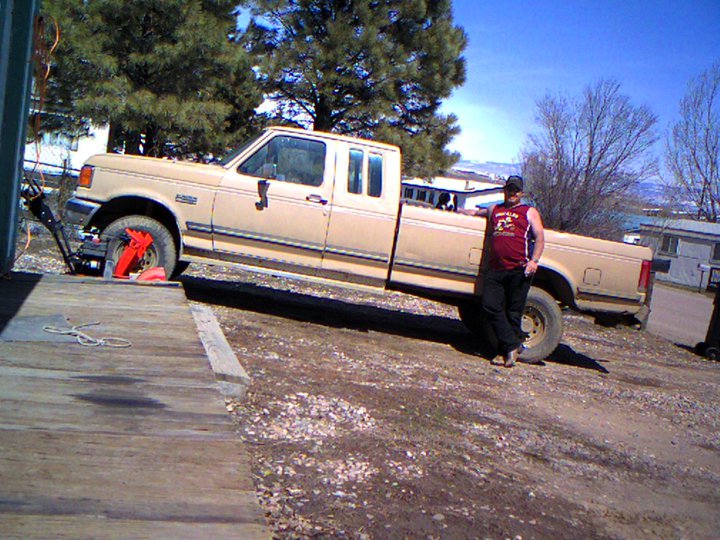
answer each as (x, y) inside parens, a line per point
(504, 296)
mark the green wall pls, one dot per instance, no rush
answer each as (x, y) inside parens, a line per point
(16, 30)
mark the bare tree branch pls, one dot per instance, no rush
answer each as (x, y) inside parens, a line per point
(693, 145)
(587, 154)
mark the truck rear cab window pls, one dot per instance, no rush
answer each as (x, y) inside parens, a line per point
(375, 186)
(355, 172)
(288, 159)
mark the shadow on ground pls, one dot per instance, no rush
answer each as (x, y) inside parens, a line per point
(15, 288)
(567, 356)
(339, 314)
(703, 350)
(332, 313)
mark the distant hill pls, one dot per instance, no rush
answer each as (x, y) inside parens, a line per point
(485, 171)
(651, 191)
(492, 169)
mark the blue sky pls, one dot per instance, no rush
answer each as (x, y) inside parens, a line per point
(520, 50)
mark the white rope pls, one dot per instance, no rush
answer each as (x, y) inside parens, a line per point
(86, 340)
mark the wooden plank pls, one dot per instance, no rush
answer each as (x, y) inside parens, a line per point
(234, 381)
(96, 458)
(96, 527)
(116, 443)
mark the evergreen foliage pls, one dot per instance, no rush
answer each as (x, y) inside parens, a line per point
(167, 75)
(375, 69)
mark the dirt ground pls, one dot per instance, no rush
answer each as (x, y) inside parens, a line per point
(371, 416)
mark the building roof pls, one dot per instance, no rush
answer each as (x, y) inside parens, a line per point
(454, 185)
(684, 227)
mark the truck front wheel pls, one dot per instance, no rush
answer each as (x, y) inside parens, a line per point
(162, 251)
(542, 321)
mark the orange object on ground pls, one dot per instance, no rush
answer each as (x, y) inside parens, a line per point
(157, 273)
(139, 243)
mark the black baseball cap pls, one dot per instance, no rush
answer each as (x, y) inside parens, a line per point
(515, 183)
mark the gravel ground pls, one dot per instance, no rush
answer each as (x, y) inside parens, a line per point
(373, 416)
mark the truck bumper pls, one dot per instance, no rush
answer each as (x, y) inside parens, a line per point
(80, 212)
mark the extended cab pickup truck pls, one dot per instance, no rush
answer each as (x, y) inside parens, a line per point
(320, 205)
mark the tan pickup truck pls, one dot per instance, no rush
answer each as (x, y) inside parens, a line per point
(323, 206)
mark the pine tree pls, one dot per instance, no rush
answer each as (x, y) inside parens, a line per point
(374, 69)
(167, 75)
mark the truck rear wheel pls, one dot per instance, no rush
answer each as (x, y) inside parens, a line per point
(542, 321)
(162, 251)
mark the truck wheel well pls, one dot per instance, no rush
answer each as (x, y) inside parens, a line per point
(126, 206)
(556, 285)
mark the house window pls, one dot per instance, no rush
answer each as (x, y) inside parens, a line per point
(669, 244)
(716, 251)
(408, 193)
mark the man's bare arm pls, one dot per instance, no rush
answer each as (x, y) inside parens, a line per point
(536, 225)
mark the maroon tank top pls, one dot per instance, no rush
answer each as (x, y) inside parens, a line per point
(511, 237)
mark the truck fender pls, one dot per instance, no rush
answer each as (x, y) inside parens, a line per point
(556, 281)
(125, 205)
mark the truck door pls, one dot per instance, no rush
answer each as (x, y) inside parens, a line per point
(273, 206)
(365, 207)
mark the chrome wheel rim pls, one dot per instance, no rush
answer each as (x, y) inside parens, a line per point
(533, 324)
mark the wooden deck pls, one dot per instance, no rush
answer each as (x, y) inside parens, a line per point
(99, 442)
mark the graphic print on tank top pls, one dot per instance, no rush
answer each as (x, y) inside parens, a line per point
(511, 237)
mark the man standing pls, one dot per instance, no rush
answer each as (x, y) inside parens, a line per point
(517, 240)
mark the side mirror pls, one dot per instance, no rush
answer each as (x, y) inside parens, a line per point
(269, 171)
(263, 186)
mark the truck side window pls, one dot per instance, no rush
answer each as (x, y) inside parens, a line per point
(355, 172)
(295, 160)
(376, 175)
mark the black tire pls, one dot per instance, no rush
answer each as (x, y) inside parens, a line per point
(180, 267)
(542, 322)
(162, 252)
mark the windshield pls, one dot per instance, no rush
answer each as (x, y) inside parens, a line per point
(223, 162)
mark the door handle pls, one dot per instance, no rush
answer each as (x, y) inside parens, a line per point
(263, 186)
(316, 199)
